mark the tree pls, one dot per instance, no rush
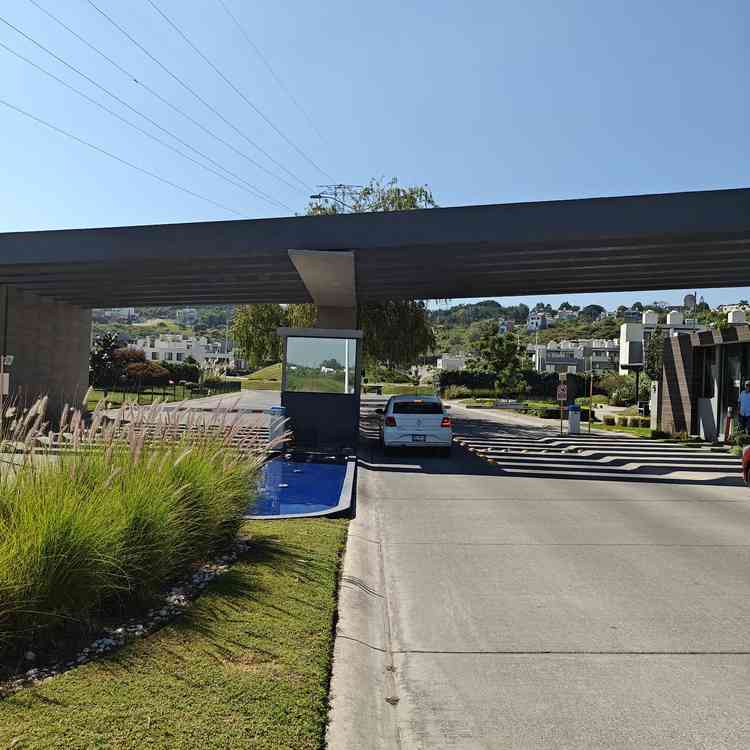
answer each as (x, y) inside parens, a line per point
(147, 373)
(125, 356)
(300, 316)
(332, 364)
(102, 366)
(591, 312)
(254, 333)
(396, 332)
(655, 355)
(499, 355)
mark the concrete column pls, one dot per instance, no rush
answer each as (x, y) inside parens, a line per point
(50, 343)
(336, 317)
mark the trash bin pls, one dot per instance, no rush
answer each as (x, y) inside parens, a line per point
(277, 426)
(574, 419)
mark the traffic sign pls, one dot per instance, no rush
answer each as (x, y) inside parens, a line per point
(562, 392)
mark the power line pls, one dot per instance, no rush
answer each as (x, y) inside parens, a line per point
(136, 127)
(165, 101)
(196, 95)
(267, 63)
(257, 192)
(119, 158)
(234, 88)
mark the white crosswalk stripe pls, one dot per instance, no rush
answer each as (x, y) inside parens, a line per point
(530, 451)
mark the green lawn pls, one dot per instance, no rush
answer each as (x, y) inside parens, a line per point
(541, 404)
(639, 431)
(117, 398)
(405, 389)
(272, 372)
(265, 379)
(248, 666)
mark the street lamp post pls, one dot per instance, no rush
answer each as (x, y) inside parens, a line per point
(326, 196)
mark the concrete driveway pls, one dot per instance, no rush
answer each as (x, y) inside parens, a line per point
(482, 610)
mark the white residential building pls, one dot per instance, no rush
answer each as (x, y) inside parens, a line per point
(537, 321)
(450, 362)
(564, 315)
(120, 313)
(174, 347)
(578, 356)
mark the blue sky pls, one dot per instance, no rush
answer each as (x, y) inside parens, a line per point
(485, 102)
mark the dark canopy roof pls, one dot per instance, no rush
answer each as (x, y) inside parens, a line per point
(676, 240)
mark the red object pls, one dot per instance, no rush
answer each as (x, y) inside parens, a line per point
(390, 421)
(446, 422)
(727, 425)
(746, 464)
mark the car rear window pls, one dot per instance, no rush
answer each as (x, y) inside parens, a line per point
(417, 407)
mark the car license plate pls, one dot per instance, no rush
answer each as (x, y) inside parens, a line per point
(418, 438)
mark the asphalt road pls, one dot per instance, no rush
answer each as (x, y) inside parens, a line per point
(486, 610)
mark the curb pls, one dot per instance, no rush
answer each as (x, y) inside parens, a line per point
(362, 689)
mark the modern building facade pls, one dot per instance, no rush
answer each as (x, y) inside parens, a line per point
(597, 355)
(634, 336)
(702, 377)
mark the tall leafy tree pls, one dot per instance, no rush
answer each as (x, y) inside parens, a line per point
(654, 359)
(396, 332)
(300, 316)
(591, 312)
(501, 356)
(254, 333)
(103, 367)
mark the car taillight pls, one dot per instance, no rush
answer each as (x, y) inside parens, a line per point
(390, 421)
(446, 422)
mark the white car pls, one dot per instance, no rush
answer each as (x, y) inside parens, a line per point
(415, 422)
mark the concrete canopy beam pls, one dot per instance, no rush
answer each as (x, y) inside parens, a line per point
(329, 279)
(675, 240)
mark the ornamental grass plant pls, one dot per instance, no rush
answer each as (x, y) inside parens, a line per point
(99, 515)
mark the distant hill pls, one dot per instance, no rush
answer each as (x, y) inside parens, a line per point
(458, 328)
(465, 314)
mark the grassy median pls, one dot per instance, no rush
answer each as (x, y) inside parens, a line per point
(99, 529)
(247, 666)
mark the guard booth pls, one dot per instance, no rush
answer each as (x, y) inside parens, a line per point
(320, 387)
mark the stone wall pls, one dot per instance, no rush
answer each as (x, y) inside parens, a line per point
(50, 342)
